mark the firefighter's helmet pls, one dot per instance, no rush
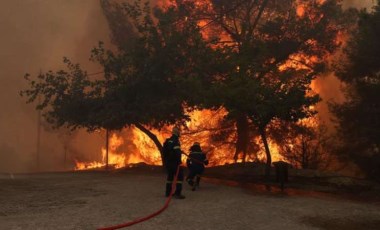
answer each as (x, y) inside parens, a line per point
(176, 131)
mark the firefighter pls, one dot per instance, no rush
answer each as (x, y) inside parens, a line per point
(196, 164)
(172, 156)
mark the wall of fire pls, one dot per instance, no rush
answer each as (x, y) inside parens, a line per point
(36, 34)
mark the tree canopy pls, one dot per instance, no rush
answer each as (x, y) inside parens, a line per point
(358, 118)
(143, 80)
(271, 52)
(255, 58)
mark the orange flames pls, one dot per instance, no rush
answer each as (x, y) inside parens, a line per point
(142, 149)
(116, 159)
(302, 7)
(119, 156)
(138, 147)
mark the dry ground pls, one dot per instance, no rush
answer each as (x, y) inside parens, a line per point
(88, 200)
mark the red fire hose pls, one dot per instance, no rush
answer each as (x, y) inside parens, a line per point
(139, 220)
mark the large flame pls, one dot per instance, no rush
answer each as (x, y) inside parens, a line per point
(115, 159)
(202, 124)
(199, 129)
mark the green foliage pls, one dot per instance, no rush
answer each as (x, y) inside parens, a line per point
(255, 58)
(271, 55)
(254, 84)
(66, 97)
(157, 68)
(304, 145)
(358, 118)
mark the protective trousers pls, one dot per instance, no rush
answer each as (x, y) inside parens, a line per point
(171, 171)
(195, 172)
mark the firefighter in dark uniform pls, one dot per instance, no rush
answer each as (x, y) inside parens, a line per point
(196, 164)
(172, 161)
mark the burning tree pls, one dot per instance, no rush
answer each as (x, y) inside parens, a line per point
(254, 58)
(271, 50)
(144, 82)
(358, 118)
(306, 144)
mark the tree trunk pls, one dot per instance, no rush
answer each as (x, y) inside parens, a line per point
(65, 157)
(107, 144)
(304, 154)
(261, 10)
(242, 137)
(267, 152)
(153, 137)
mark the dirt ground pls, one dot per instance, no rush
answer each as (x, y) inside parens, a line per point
(89, 200)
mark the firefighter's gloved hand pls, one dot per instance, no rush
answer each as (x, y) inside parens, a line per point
(205, 162)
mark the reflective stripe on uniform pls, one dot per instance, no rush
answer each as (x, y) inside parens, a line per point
(177, 147)
(171, 182)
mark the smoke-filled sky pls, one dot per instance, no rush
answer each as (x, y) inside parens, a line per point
(329, 86)
(359, 3)
(34, 36)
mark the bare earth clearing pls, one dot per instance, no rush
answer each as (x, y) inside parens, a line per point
(89, 200)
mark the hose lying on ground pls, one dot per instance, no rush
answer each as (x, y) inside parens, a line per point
(142, 219)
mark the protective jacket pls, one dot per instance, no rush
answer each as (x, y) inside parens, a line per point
(173, 156)
(196, 161)
(172, 161)
(196, 164)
